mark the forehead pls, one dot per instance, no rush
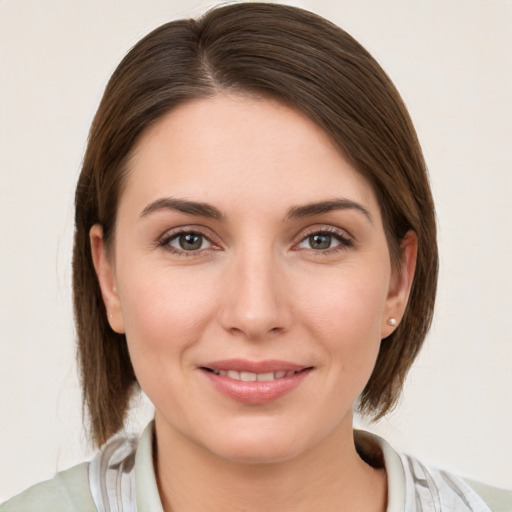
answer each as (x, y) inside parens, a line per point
(242, 151)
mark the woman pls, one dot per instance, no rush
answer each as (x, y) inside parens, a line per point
(255, 248)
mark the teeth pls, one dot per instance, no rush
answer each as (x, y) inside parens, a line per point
(252, 377)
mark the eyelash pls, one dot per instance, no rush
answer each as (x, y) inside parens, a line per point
(345, 242)
(165, 242)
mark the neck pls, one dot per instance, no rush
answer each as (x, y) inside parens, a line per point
(328, 477)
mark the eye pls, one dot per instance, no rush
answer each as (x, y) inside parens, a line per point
(189, 241)
(318, 241)
(325, 241)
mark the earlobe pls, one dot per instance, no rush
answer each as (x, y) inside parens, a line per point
(106, 278)
(401, 284)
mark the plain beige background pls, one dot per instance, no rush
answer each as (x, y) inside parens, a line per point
(451, 60)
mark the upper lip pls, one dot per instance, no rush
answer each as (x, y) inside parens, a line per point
(244, 365)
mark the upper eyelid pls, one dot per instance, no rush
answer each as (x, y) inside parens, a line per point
(334, 230)
(199, 230)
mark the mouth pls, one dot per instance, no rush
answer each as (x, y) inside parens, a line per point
(252, 376)
(255, 383)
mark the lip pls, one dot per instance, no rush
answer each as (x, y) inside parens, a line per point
(255, 392)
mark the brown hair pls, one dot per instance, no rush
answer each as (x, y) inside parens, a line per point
(268, 50)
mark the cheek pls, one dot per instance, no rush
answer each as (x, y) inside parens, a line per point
(355, 300)
(164, 313)
(344, 313)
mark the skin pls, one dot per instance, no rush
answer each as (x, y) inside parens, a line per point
(258, 287)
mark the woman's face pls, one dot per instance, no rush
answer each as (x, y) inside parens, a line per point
(252, 278)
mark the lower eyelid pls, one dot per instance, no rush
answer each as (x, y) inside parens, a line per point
(341, 243)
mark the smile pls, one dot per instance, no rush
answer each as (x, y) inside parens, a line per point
(255, 383)
(252, 377)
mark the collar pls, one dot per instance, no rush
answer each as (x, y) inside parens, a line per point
(372, 447)
(146, 488)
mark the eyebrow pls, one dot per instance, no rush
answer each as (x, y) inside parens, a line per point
(207, 210)
(312, 209)
(183, 206)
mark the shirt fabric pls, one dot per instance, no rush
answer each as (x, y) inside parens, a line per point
(121, 478)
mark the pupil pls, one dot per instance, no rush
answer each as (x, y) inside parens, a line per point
(320, 241)
(190, 241)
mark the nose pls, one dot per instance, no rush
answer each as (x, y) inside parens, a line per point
(255, 297)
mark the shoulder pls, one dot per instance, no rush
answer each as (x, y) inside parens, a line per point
(417, 487)
(107, 482)
(448, 491)
(67, 490)
(498, 500)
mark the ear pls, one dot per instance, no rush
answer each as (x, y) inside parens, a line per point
(107, 279)
(400, 286)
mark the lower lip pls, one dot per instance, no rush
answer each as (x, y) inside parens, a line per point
(256, 392)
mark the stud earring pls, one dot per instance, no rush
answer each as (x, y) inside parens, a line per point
(392, 321)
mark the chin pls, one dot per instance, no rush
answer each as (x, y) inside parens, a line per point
(258, 452)
(263, 443)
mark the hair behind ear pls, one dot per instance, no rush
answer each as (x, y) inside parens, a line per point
(106, 372)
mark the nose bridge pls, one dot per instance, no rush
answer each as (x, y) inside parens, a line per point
(254, 303)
